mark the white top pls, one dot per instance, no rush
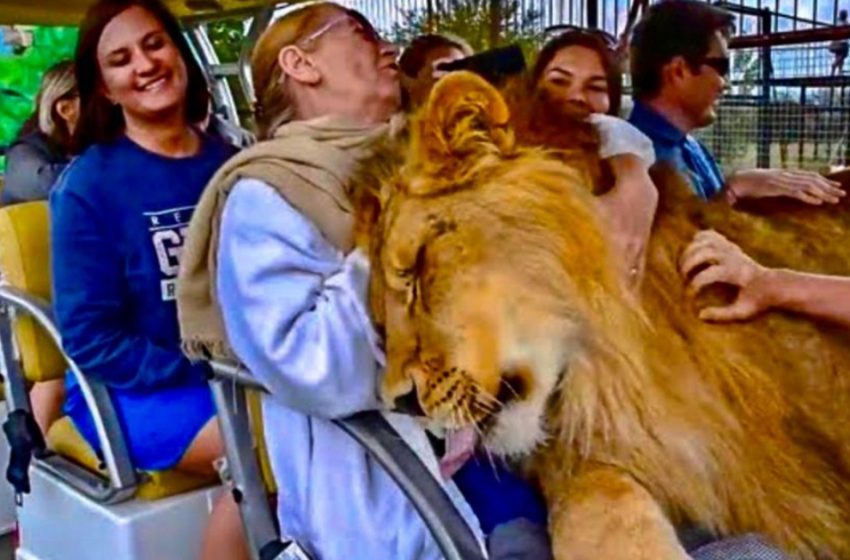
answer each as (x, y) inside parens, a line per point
(620, 137)
(295, 314)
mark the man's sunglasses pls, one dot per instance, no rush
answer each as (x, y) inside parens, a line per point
(560, 29)
(720, 64)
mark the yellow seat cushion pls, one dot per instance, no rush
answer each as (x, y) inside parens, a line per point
(255, 413)
(25, 264)
(64, 439)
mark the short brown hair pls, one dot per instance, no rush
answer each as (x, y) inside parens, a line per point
(416, 54)
(101, 121)
(669, 29)
(415, 57)
(589, 40)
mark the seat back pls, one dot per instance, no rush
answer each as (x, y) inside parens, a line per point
(25, 264)
(240, 422)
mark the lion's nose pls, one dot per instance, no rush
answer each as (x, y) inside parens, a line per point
(408, 403)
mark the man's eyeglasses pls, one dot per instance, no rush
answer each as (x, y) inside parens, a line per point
(720, 64)
(557, 30)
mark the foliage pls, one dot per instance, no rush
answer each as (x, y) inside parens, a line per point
(20, 76)
(473, 20)
(227, 36)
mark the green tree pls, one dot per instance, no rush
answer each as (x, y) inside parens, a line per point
(227, 37)
(479, 22)
(20, 76)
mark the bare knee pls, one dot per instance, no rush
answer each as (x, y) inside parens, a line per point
(47, 398)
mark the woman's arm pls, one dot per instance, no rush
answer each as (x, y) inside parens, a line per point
(28, 176)
(630, 205)
(294, 307)
(630, 209)
(90, 302)
(761, 288)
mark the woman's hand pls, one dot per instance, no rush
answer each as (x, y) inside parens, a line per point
(807, 186)
(726, 263)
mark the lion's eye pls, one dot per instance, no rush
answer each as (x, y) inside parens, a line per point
(405, 276)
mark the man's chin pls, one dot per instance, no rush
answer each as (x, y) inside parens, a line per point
(708, 118)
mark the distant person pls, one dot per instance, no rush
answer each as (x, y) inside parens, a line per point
(42, 149)
(419, 64)
(839, 48)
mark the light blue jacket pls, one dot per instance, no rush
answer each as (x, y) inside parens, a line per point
(295, 314)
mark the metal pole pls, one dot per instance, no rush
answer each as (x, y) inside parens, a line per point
(764, 126)
(592, 14)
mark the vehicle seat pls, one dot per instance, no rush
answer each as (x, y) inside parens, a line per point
(25, 262)
(64, 439)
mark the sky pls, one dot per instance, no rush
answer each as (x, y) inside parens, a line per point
(616, 11)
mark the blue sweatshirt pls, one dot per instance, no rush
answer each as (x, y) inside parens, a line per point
(119, 215)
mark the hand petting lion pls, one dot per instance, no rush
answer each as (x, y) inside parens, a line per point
(495, 284)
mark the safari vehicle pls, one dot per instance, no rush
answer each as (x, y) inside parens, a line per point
(75, 505)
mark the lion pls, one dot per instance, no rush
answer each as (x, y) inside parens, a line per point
(497, 290)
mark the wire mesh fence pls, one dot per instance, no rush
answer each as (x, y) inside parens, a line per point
(786, 106)
(796, 114)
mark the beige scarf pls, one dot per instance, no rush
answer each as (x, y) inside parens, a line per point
(309, 163)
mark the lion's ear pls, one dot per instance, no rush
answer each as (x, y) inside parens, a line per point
(464, 115)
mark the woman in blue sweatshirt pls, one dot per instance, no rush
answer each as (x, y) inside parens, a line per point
(118, 218)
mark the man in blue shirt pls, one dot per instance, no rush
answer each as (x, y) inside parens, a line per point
(679, 66)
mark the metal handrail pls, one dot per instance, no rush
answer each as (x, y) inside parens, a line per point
(451, 532)
(122, 477)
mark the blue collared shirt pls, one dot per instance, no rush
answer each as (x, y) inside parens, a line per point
(684, 151)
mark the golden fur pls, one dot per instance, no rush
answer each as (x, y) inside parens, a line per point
(497, 290)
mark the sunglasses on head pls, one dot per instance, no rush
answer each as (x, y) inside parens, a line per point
(720, 64)
(561, 29)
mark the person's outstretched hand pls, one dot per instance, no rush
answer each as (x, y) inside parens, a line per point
(807, 186)
(726, 263)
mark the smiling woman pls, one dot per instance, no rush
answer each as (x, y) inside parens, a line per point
(118, 220)
(135, 74)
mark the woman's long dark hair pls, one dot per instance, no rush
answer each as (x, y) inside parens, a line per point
(100, 121)
(587, 39)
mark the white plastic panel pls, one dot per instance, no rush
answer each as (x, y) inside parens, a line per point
(56, 523)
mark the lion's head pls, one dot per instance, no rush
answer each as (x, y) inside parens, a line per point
(493, 269)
